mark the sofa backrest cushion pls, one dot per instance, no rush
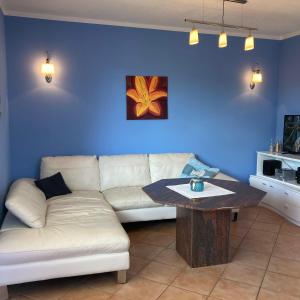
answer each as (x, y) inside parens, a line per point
(80, 173)
(167, 165)
(27, 202)
(124, 170)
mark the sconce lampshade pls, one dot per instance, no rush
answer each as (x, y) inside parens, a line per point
(194, 37)
(223, 40)
(249, 43)
(257, 77)
(48, 70)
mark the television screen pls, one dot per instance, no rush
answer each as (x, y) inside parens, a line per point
(291, 134)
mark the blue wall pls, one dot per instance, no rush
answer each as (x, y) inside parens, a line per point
(289, 81)
(4, 132)
(212, 111)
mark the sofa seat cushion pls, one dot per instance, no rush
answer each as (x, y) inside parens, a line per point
(12, 222)
(123, 171)
(79, 224)
(79, 172)
(124, 198)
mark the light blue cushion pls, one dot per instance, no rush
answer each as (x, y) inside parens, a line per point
(195, 168)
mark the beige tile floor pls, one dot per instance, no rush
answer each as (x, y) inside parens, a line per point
(265, 265)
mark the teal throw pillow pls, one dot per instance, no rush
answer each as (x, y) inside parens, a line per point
(195, 168)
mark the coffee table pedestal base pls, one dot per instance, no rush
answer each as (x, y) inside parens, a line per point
(202, 237)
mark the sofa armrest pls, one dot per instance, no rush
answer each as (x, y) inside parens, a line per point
(27, 202)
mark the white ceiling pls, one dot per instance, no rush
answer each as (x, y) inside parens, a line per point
(275, 19)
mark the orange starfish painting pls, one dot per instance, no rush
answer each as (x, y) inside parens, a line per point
(147, 97)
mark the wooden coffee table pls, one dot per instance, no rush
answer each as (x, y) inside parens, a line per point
(203, 224)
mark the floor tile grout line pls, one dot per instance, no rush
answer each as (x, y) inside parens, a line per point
(186, 290)
(257, 240)
(260, 287)
(153, 259)
(255, 219)
(248, 229)
(220, 277)
(148, 263)
(162, 292)
(157, 245)
(27, 297)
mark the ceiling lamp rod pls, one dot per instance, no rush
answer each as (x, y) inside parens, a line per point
(223, 34)
(220, 25)
(249, 41)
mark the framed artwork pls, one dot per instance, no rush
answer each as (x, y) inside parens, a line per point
(146, 97)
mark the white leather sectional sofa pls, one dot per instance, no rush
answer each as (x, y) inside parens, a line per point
(82, 232)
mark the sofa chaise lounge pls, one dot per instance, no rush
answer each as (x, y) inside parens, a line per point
(82, 232)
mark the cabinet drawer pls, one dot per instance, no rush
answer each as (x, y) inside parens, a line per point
(259, 184)
(291, 210)
(293, 198)
(274, 197)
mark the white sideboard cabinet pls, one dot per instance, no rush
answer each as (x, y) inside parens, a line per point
(282, 197)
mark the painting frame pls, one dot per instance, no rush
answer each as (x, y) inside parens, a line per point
(146, 97)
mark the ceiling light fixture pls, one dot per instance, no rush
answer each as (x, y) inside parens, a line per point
(194, 36)
(249, 41)
(223, 34)
(223, 40)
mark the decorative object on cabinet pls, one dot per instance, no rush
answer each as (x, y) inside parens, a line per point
(283, 195)
(271, 147)
(146, 97)
(278, 147)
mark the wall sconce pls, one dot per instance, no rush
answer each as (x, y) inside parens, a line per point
(256, 77)
(47, 69)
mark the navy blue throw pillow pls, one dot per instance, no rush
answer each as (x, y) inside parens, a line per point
(53, 186)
